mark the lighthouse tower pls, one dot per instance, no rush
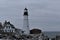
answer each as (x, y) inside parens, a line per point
(26, 22)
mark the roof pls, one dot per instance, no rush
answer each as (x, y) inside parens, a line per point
(35, 31)
(25, 9)
(5, 23)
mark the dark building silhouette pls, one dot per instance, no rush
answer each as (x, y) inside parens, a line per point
(1, 27)
(35, 31)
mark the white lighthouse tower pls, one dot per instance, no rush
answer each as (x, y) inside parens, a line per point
(26, 22)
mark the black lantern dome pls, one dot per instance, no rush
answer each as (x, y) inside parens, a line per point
(26, 11)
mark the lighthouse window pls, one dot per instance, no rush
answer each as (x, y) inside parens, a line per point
(8, 30)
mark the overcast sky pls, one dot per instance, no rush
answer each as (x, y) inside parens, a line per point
(43, 14)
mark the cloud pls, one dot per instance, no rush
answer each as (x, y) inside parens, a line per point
(43, 14)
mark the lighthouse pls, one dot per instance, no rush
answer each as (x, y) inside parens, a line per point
(26, 22)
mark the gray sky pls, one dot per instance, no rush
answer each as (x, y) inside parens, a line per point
(43, 14)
